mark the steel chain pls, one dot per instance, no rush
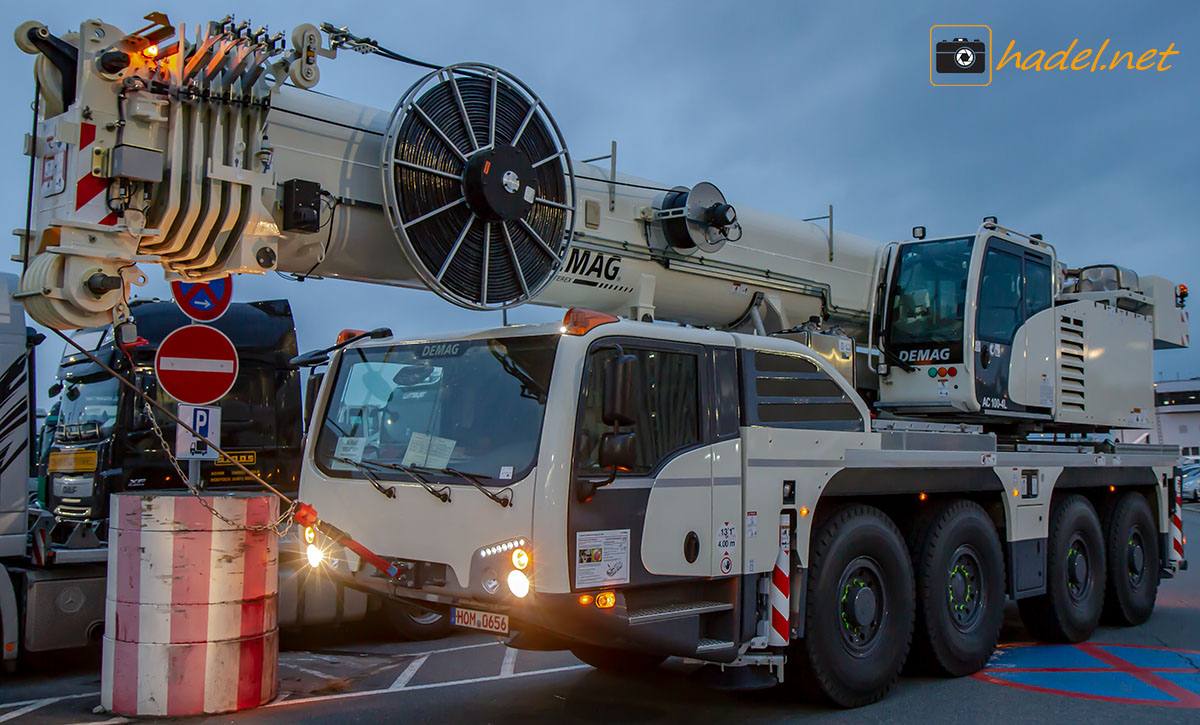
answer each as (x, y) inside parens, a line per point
(280, 526)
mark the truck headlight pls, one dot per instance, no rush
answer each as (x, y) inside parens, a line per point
(518, 583)
(315, 555)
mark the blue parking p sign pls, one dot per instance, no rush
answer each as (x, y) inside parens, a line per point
(205, 420)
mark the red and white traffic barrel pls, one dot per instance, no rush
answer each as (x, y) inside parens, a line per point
(190, 619)
(780, 633)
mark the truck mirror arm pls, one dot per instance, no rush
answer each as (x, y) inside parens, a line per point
(317, 357)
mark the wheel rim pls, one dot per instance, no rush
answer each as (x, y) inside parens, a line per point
(420, 616)
(1079, 569)
(862, 608)
(1135, 557)
(964, 589)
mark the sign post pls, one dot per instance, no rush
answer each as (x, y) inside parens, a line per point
(207, 422)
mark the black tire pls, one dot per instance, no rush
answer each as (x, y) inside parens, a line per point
(860, 609)
(1076, 576)
(959, 570)
(1132, 541)
(428, 621)
(615, 660)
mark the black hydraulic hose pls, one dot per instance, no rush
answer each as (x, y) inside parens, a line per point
(33, 139)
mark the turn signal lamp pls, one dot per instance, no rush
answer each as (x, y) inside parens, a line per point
(520, 558)
(150, 51)
(585, 599)
(803, 511)
(606, 600)
(923, 496)
(310, 534)
(347, 334)
(579, 321)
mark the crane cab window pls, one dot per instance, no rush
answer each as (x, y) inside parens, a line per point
(927, 300)
(668, 417)
(1016, 284)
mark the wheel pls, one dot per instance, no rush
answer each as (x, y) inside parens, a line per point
(959, 571)
(1075, 576)
(428, 621)
(860, 609)
(615, 660)
(1132, 561)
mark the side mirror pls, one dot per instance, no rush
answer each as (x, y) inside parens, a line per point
(312, 388)
(617, 451)
(620, 390)
(54, 390)
(73, 392)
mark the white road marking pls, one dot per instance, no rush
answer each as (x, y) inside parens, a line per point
(113, 721)
(36, 704)
(408, 673)
(306, 670)
(510, 662)
(77, 695)
(430, 686)
(195, 365)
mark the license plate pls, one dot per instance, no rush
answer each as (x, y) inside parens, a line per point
(71, 461)
(486, 621)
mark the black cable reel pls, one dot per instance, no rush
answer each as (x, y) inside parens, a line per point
(479, 186)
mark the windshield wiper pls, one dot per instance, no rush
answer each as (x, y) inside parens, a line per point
(442, 493)
(473, 479)
(385, 490)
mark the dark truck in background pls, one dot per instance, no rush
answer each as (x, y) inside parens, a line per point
(105, 443)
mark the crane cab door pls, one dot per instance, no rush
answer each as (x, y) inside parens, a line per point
(1013, 355)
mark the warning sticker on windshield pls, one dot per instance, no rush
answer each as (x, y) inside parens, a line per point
(601, 558)
(349, 448)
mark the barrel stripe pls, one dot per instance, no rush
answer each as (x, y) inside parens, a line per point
(128, 579)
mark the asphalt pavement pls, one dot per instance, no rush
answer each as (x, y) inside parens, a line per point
(1145, 674)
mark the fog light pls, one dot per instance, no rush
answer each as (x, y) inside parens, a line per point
(518, 583)
(520, 558)
(310, 534)
(491, 582)
(315, 555)
(606, 600)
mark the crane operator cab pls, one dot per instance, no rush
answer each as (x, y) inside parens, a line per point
(981, 325)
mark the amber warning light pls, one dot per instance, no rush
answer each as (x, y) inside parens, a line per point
(579, 321)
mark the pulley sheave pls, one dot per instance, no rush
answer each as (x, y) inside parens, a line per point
(478, 185)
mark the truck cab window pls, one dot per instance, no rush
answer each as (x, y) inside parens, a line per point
(669, 415)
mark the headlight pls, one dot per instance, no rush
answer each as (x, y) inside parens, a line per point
(315, 555)
(518, 583)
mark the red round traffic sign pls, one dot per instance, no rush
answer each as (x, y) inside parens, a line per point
(203, 301)
(196, 364)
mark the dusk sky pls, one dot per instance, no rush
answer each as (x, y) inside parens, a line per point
(786, 106)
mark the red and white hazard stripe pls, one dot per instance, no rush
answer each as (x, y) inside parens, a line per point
(190, 621)
(1177, 525)
(780, 632)
(91, 202)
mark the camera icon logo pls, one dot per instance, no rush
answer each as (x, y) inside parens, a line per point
(962, 60)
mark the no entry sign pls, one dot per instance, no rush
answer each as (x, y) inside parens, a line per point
(203, 301)
(196, 364)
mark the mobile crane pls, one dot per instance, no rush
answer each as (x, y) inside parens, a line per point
(844, 450)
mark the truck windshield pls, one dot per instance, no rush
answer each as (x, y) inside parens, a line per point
(929, 292)
(472, 405)
(89, 407)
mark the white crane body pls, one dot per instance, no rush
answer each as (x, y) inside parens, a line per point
(612, 485)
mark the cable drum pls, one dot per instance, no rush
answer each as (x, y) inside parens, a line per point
(478, 185)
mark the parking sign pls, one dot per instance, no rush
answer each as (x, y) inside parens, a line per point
(206, 419)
